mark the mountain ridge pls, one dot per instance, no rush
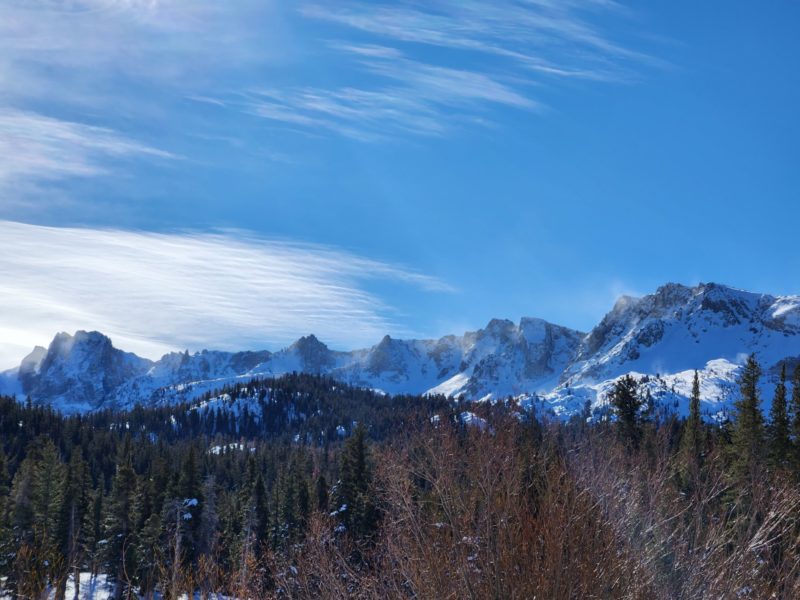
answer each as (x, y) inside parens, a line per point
(667, 334)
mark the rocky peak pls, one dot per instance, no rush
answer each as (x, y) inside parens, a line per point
(313, 354)
(82, 349)
(501, 328)
(33, 362)
(79, 369)
(387, 356)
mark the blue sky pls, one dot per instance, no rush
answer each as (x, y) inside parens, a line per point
(415, 168)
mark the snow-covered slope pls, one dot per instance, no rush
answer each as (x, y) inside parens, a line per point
(662, 337)
(507, 360)
(670, 393)
(680, 328)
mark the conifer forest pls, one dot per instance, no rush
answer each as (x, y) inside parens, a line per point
(301, 487)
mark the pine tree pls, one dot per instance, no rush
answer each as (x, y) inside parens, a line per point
(261, 516)
(49, 476)
(36, 496)
(21, 511)
(4, 484)
(355, 507)
(626, 402)
(321, 492)
(92, 531)
(288, 506)
(207, 533)
(5, 530)
(149, 549)
(119, 555)
(748, 428)
(230, 531)
(303, 504)
(779, 441)
(795, 418)
(73, 508)
(693, 438)
(246, 536)
(190, 493)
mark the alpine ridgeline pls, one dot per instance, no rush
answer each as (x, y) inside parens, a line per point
(660, 338)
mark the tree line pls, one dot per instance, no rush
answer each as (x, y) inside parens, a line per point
(176, 500)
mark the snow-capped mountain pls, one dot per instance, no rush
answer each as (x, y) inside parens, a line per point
(663, 337)
(85, 372)
(78, 373)
(680, 328)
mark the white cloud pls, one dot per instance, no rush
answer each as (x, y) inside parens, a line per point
(556, 37)
(402, 68)
(423, 99)
(153, 292)
(76, 47)
(37, 149)
(496, 53)
(41, 147)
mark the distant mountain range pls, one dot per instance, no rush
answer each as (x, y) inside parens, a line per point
(661, 337)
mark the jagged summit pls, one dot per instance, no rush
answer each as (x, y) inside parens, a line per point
(674, 330)
(78, 371)
(313, 356)
(309, 343)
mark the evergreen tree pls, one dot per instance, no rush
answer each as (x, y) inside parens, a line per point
(48, 490)
(150, 550)
(288, 506)
(779, 441)
(748, 427)
(321, 493)
(795, 417)
(693, 438)
(73, 508)
(119, 555)
(21, 511)
(4, 484)
(230, 534)
(261, 516)
(190, 493)
(209, 525)
(35, 502)
(5, 530)
(250, 522)
(303, 503)
(355, 507)
(92, 531)
(626, 403)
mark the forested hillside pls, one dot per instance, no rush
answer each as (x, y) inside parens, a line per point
(303, 487)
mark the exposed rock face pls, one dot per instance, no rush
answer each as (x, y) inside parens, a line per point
(82, 371)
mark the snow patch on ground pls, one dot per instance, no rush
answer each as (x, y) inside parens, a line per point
(670, 393)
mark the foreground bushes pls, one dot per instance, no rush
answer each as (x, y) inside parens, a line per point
(514, 508)
(468, 514)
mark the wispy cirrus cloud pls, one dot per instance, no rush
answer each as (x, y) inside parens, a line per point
(153, 292)
(72, 72)
(84, 49)
(414, 103)
(556, 37)
(36, 149)
(34, 145)
(434, 66)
